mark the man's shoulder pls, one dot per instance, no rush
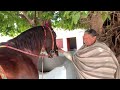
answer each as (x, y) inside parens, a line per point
(99, 43)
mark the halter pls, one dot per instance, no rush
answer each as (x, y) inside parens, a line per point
(2, 72)
(51, 51)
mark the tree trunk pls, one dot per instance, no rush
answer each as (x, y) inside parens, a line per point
(35, 21)
(25, 16)
(111, 36)
(96, 22)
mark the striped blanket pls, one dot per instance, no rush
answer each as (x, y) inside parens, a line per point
(96, 62)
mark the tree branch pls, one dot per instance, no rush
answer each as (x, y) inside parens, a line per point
(24, 15)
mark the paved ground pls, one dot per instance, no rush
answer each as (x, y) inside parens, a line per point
(57, 68)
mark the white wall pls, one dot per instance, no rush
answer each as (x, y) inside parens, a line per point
(79, 39)
(4, 38)
(63, 34)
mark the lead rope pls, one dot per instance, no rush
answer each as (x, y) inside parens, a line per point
(42, 65)
(43, 52)
(42, 68)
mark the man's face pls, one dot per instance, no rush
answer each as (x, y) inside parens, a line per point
(88, 39)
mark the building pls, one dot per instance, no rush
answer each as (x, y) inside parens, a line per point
(69, 40)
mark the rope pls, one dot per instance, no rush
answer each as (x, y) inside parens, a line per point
(42, 67)
(23, 51)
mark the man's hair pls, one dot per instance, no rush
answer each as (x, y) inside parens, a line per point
(91, 32)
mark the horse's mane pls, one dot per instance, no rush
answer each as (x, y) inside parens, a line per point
(30, 39)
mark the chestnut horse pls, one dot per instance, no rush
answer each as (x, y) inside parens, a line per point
(19, 56)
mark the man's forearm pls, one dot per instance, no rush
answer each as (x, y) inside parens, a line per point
(68, 55)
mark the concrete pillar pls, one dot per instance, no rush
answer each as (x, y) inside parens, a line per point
(65, 44)
(79, 40)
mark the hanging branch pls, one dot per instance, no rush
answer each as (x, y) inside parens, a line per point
(24, 15)
(39, 19)
(35, 18)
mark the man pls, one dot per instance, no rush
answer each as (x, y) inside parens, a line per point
(94, 60)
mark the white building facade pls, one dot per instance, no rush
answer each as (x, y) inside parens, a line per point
(69, 40)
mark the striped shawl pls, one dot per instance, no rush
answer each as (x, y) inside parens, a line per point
(96, 62)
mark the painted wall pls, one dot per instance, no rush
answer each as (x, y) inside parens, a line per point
(4, 38)
(65, 35)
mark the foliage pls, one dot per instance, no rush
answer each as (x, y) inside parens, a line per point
(13, 23)
(70, 19)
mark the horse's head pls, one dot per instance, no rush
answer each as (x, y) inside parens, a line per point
(50, 42)
(34, 39)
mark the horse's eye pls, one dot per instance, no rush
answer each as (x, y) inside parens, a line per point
(52, 51)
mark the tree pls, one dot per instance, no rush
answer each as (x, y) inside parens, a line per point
(14, 22)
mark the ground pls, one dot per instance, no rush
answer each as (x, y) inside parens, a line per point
(58, 68)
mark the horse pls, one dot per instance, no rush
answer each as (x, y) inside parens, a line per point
(19, 56)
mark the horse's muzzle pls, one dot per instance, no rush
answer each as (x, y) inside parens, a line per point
(52, 54)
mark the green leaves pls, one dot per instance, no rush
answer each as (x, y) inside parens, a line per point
(7, 21)
(67, 14)
(62, 19)
(75, 17)
(84, 14)
(105, 15)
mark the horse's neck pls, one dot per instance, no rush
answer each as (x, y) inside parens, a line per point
(34, 60)
(13, 44)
